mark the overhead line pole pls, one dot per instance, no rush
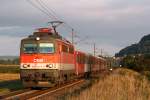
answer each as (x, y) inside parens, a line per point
(101, 52)
(94, 49)
(72, 36)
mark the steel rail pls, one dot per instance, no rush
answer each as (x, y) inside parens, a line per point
(16, 94)
(35, 94)
(69, 85)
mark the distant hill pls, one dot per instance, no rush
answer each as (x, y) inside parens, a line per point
(143, 47)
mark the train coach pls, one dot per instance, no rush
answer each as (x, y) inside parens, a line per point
(46, 59)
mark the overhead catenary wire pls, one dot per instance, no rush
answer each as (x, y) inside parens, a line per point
(55, 16)
(40, 5)
(53, 12)
(46, 9)
(50, 11)
(37, 7)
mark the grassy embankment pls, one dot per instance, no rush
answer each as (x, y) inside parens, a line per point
(121, 84)
(9, 78)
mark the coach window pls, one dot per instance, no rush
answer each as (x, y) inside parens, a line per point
(64, 48)
(71, 49)
(83, 59)
(79, 58)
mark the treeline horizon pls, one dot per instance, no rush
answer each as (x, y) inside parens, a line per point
(14, 61)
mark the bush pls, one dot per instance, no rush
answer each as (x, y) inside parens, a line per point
(137, 63)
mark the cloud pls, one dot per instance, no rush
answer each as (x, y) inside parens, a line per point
(112, 24)
(8, 27)
(16, 31)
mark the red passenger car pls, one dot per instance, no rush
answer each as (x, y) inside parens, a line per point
(80, 63)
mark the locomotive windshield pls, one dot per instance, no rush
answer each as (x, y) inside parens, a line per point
(30, 48)
(46, 48)
(38, 48)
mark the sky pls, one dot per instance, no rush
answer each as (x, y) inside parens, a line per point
(110, 24)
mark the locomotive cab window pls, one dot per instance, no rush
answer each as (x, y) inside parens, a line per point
(46, 48)
(30, 48)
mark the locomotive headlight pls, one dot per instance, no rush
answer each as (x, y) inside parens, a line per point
(49, 65)
(26, 65)
(37, 38)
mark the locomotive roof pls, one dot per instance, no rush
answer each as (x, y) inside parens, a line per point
(46, 36)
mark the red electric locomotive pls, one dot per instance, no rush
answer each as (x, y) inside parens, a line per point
(48, 59)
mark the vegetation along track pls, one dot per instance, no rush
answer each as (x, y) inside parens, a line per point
(37, 94)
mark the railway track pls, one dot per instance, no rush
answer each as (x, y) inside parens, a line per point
(39, 94)
(16, 94)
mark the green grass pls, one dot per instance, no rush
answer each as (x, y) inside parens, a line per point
(7, 86)
(11, 85)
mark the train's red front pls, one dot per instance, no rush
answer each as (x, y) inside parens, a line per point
(46, 59)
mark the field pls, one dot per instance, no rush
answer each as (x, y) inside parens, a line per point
(9, 82)
(9, 78)
(121, 84)
(9, 68)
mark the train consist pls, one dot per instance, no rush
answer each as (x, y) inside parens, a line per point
(46, 59)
